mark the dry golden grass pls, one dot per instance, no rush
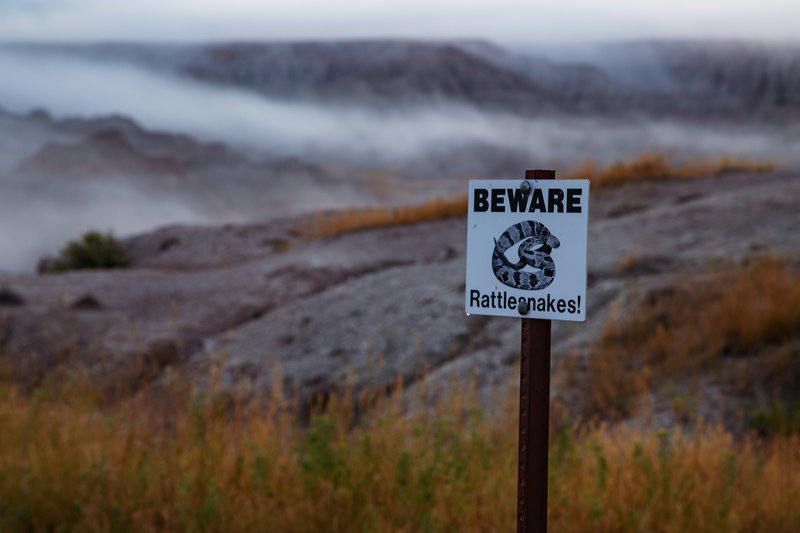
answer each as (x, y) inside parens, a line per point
(655, 166)
(741, 322)
(188, 462)
(648, 166)
(620, 480)
(323, 225)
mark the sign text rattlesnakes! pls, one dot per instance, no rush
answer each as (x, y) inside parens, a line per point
(522, 241)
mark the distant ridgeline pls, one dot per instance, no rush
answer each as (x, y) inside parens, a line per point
(727, 80)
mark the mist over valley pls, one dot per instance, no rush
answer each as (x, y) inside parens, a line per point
(134, 136)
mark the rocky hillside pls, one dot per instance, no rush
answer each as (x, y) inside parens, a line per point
(360, 309)
(214, 160)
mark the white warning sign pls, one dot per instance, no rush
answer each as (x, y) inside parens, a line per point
(526, 248)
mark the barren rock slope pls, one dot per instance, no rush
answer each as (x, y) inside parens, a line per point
(364, 307)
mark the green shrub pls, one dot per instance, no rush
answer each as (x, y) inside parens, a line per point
(93, 250)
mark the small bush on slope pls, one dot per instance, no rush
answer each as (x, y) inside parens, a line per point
(93, 250)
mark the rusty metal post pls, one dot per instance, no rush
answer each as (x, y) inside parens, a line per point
(534, 415)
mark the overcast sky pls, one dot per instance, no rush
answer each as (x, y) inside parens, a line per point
(519, 21)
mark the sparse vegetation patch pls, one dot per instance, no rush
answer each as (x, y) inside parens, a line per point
(323, 225)
(741, 322)
(648, 166)
(93, 250)
(188, 461)
(655, 166)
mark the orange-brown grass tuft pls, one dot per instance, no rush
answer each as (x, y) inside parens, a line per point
(189, 462)
(648, 166)
(655, 166)
(742, 323)
(323, 225)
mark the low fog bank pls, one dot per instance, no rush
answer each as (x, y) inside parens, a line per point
(68, 86)
(160, 101)
(439, 143)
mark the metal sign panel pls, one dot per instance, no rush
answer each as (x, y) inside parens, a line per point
(526, 248)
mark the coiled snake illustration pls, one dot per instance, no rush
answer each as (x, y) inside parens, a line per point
(537, 243)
